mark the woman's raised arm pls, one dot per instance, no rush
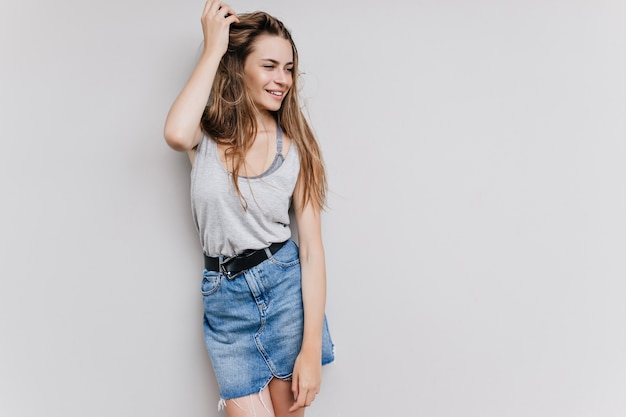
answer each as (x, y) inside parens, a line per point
(182, 127)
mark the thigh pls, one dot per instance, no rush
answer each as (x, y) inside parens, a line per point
(253, 405)
(282, 398)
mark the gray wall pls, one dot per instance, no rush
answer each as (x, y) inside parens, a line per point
(476, 234)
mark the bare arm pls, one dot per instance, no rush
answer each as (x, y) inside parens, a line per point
(182, 127)
(307, 373)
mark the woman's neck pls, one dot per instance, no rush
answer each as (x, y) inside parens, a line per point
(265, 121)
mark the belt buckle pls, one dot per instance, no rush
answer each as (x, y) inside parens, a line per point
(229, 275)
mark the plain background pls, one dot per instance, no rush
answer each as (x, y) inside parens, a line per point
(476, 229)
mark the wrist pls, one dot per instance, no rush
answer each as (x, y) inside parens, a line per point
(210, 56)
(311, 348)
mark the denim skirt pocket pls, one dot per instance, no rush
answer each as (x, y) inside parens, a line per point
(210, 282)
(287, 256)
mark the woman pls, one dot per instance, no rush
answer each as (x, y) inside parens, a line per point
(264, 296)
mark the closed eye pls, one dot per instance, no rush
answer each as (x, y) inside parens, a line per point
(272, 63)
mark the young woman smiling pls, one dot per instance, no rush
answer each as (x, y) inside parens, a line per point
(254, 157)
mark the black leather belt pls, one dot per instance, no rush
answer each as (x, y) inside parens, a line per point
(235, 265)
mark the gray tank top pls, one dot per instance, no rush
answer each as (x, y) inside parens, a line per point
(225, 228)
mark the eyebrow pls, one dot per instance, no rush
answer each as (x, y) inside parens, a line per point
(273, 61)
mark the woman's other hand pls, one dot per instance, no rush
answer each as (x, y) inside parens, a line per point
(216, 20)
(306, 379)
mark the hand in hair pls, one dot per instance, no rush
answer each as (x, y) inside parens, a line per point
(216, 20)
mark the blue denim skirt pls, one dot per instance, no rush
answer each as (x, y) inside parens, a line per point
(253, 324)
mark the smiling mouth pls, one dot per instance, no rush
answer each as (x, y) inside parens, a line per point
(275, 93)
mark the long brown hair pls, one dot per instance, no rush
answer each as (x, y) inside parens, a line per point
(229, 118)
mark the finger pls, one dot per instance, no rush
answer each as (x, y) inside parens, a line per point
(294, 391)
(294, 385)
(310, 398)
(302, 398)
(226, 11)
(300, 402)
(208, 5)
(232, 19)
(215, 8)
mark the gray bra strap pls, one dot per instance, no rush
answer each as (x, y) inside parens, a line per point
(279, 139)
(278, 159)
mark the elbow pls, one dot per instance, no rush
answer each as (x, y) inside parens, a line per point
(177, 140)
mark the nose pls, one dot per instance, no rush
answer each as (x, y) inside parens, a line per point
(280, 77)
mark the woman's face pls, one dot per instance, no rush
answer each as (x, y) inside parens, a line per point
(268, 71)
